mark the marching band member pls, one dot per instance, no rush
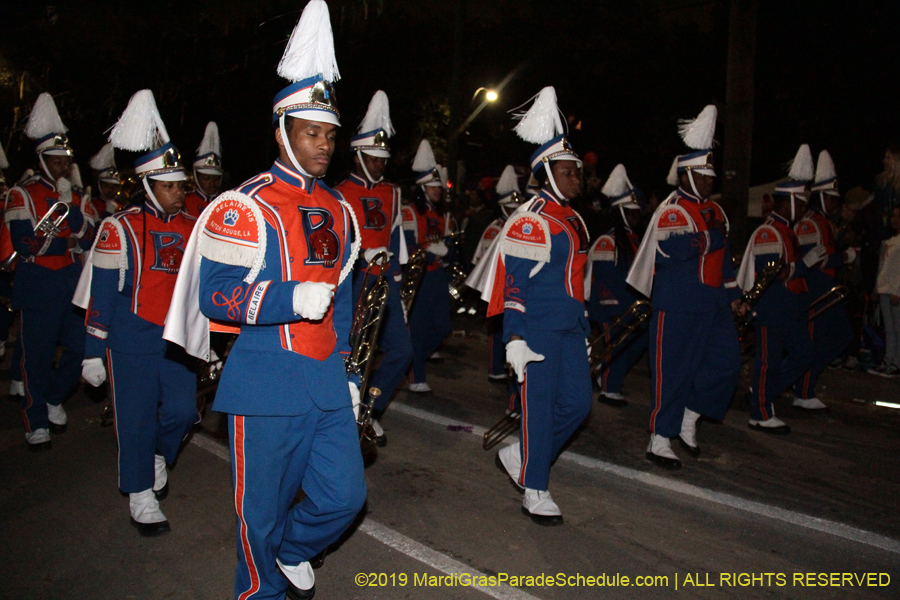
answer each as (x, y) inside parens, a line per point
(424, 227)
(509, 199)
(275, 259)
(684, 262)
(783, 348)
(377, 207)
(6, 251)
(46, 275)
(539, 286)
(610, 257)
(130, 279)
(207, 172)
(830, 332)
(108, 181)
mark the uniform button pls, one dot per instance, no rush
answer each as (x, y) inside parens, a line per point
(292, 259)
(292, 336)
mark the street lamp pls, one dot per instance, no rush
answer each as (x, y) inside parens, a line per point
(489, 96)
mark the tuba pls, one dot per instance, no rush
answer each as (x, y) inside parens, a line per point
(367, 320)
(415, 270)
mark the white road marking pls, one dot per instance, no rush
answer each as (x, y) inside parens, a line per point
(757, 508)
(398, 541)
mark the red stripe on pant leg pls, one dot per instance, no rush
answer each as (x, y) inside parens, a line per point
(657, 391)
(763, 371)
(524, 418)
(239, 488)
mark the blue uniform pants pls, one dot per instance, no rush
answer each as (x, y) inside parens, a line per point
(155, 402)
(41, 331)
(830, 333)
(273, 457)
(695, 361)
(429, 320)
(556, 399)
(496, 347)
(784, 353)
(393, 341)
(612, 374)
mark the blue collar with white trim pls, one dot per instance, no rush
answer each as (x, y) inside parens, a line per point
(161, 215)
(776, 217)
(292, 177)
(549, 195)
(690, 196)
(361, 182)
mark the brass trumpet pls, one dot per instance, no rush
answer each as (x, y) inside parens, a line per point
(367, 321)
(51, 225)
(415, 270)
(836, 294)
(629, 321)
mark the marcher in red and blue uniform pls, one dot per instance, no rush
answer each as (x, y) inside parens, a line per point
(830, 332)
(47, 273)
(509, 199)
(610, 258)
(276, 261)
(425, 228)
(207, 172)
(134, 265)
(539, 285)
(784, 351)
(684, 266)
(377, 207)
(106, 200)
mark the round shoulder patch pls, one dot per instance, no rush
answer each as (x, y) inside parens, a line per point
(765, 235)
(805, 227)
(408, 214)
(527, 228)
(108, 238)
(672, 218)
(15, 199)
(232, 221)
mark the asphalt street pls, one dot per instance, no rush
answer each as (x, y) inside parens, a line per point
(809, 515)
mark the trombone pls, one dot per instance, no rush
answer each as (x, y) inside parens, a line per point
(836, 294)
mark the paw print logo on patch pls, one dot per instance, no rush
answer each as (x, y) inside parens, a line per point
(527, 228)
(231, 217)
(104, 235)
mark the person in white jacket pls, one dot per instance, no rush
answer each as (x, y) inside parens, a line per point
(887, 286)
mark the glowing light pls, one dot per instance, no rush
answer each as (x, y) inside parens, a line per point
(491, 95)
(887, 404)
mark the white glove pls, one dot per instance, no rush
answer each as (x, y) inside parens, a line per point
(850, 256)
(64, 187)
(111, 207)
(518, 354)
(372, 252)
(438, 248)
(354, 399)
(814, 256)
(312, 299)
(93, 371)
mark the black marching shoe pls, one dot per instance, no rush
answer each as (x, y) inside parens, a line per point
(660, 452)
(163, 493)
(295, 593)
(614, 400)
(539, 505)
(151, 529)
(692, 450)
(38, 440)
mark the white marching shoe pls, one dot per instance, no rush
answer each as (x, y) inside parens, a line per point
(771, 425)
(161, 478)
(539, 505)
(688, 435)
(420, 388)
(302, 580)
(509, 460)
(146, 515)
(809, 404)
(660, 452)
(39, 439)
(58, 418)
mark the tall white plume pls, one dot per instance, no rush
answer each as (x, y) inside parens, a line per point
(75, 176)
(378, 116)
(444, 173)
(140, 127)
(105, 159)
(698, 133)
(310, 51)
(542, 122)
(211, 141)
(4, 162)
(44, 118)
(802, 165)
(825, 167)
(509, 182)
(672, 177)
(424, 160)
(618, 182)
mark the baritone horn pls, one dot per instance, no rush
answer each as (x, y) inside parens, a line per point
(367, 320)
(836, 294)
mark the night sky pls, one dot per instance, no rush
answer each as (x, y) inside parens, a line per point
(825, 75)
